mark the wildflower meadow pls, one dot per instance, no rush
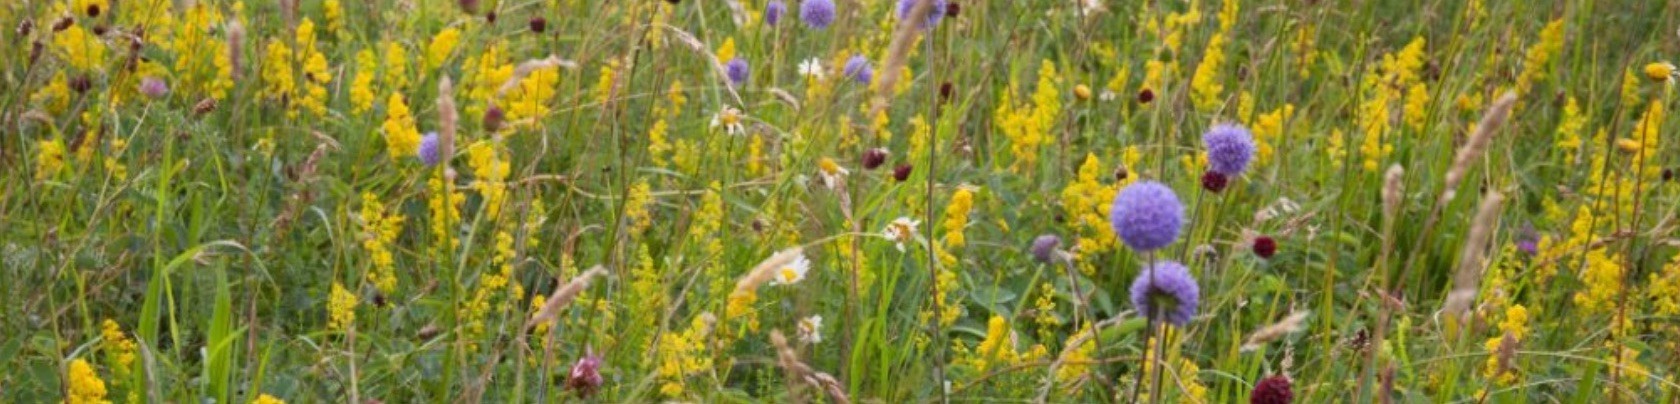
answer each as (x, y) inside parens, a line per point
(875, 201)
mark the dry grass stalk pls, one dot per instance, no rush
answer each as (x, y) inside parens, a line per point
(1393, 191)
(1289, 325)
(796, 370)
(1476, 144)
(235, 47)
(897, 53)
(767, 270)
(1467, 278)
(563, 296)
(447, 118)
(529, 66)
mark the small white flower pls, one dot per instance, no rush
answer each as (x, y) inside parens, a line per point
(793, 272)
(810, 329)
(901, 230)
(1089, 7)
(832, 173)
(730, 119)
(812, 68)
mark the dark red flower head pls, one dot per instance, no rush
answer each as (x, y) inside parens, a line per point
(1213, 181)
(873, 158)
(1145, 96)
(1265, 247)
(586, 375)
(1272, 390)
(902, 172)
(538, 24)
(493, 119)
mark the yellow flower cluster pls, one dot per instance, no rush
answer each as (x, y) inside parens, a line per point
(1045, 308)
(49, 158)
(267, 399)
(999, 348)
(1569, 130)
(1086, 201)
(445, 207)
(81, 49)
(85, 385)
(490, 172)
(315, 74)
(201, 62)
(278, 83)
(379, 230)
(638, 207)
(681, 355)
(485, 75)
(341, 308)
(1398, 70)
(441, 46)
(396, 66)
(1028, 126)
(1515, 327)
(1539, 56)
(1268, 129)
(362, 95)
(1205, 87)
(1075, 358)
(402, 139)
(528, 102)
(1184, 379)
(119, 349)
(659, 147)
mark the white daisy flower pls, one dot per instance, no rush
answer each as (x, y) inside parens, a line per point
(832, 173)
(730, 119)
(810, 329)
(901, 230)
(793, 272)
(812, 68)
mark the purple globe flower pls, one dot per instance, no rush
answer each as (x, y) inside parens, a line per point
(429, 153)
(1166, 289)
(858, 69)
(1044, 247)
(933, 17)
(737, 71)
(1229, 148)
(1146, 215)
(153, 87)
(818, 14)
(773, 12)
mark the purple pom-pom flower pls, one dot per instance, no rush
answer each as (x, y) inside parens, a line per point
(153, 87)
(773, 12)
(817, 14)
(933, 17)
(858, 69)
(1146, 215)
(737, 71)
(1044, 247)
(1229, 148)
(429, 153)
(1167, 290)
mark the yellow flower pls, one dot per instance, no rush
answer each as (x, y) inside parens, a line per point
(396, 66)
(527, 104)
(1205, 85)
(85, 385)
(82, 50)
(277, 71)
(1659, 71)
(379, 230)
(341, 308)
(726, 52)
(401, 137)
(267, 399)
(441, 46)
(361, 88)
(92, 8)
(49, 158)
(1082, 92)
(119, 349)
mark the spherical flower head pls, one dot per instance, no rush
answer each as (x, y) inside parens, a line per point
(1044, 247)
(586, 375)
(773, 12)
(858, 69)
(1213, 181)
(817, 14)
(1659, 71)
(429, 150)
(933, 17)
(1167, 287)
(873, 158)
(1265, 247)
(154, 87)
(1146, 215)
(1229, 148)
(737, 71)
(1271, 390)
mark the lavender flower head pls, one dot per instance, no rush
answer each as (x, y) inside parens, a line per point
(858, 69)
(153, 87)
(429, 150)
(1229, 148)
(1167, 287)
(737, 71)
(586, 375)
(1146, 215)
(818, 14)
(933, 17)
(773, 12)
(1044, 247)
(1528, 240)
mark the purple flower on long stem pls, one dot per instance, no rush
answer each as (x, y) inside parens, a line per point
(933, 17)
(773, 12)
(1146, 215)
(154, 87)
(737, 71)
(817, 14)
(1229, 149)
(1044, 247)
(429, 152)
(1167, 290)
(858, 69)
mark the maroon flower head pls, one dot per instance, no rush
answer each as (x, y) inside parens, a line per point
(585, 376)
(493, 119)
(873, 158)
(538, 24)
(1272, 390)
(902, 172)
(1145, 96)
(1265, 246)
(1213, 181)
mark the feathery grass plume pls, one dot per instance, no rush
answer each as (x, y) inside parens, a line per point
(1393, 191)
(564, 295)
(447, 119)
(1467, 278)
(1476, 144)
(898, 51)
(788, 359)
(1289, 325)
(235, 47)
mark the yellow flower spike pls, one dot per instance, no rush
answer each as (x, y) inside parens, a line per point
(1659, 71)
(1626, 145)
